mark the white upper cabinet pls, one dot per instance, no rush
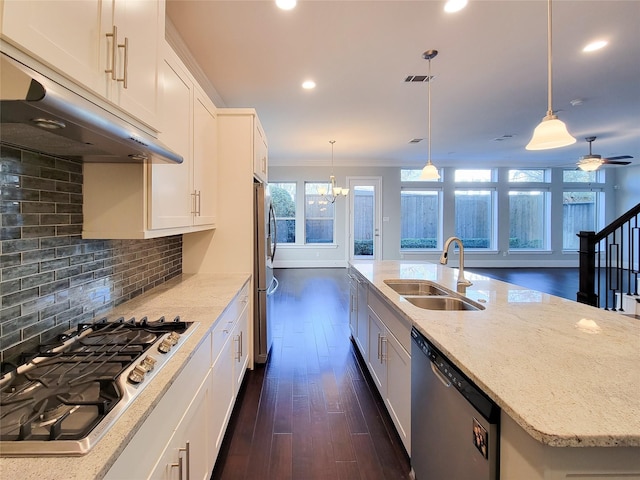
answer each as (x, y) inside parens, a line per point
(260, 153)
(109, 47)
(139, 25)
(158, 199)
(171, 201)
(205, 160)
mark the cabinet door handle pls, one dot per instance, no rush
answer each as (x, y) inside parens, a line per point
(125, 75)
(187, 451)
(199, 197)
(114, 50)
(379, 345)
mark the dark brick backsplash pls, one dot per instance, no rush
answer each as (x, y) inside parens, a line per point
(50, 278)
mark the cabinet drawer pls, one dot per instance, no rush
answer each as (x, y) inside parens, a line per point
(225, 323)
(397, 325)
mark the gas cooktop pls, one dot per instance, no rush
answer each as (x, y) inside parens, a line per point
(63, 398)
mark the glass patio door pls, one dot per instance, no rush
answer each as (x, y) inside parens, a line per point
(364, 218)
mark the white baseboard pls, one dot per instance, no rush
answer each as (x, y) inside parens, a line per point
(310, 264)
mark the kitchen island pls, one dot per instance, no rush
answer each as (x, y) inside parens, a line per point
(202, 298)
(564, 374)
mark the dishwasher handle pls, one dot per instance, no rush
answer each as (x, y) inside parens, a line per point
(439, 375)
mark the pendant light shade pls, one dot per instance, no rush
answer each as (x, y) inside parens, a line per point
(551, 132)
(429, 172)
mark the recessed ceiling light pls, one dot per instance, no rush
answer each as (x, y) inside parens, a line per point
(454, 5)
(593, 46)
(286, 4)
(308, 84)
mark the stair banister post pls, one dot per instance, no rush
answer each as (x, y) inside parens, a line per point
(587, 269)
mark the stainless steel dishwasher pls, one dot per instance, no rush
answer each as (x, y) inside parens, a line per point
(454, 425)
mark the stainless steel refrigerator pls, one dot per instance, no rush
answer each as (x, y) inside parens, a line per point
(265, 282)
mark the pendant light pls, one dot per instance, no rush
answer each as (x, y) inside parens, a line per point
(429, 172)
(334, 191)
(551, 132)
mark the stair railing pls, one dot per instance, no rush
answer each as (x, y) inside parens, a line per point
(610, 262)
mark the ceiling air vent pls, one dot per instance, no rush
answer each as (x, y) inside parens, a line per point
(418, 78)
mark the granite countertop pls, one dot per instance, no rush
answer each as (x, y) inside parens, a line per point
(196, 298)
(567, 373)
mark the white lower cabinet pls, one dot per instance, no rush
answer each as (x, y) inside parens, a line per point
(362, 317)
(187, 455)
(384, 343)
(182, 436)
(353, 305)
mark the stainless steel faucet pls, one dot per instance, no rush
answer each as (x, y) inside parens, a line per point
(462, 282)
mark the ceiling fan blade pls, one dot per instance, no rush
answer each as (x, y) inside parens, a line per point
(620, 157)
(614, 162)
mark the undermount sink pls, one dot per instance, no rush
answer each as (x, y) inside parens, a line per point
(415, 287)
(442, 303)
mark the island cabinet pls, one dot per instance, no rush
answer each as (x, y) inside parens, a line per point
(129, 201)
(362, 316)
(389, 363)
(353, 304)
(383, 338)
(109, 47)
(522, 456)
(182, 436)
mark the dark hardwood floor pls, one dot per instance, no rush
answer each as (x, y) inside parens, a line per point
(562, 282)
(311, 413)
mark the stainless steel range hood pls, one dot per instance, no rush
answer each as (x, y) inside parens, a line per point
(41, 115)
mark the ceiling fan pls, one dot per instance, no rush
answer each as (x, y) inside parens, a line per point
(592, 162)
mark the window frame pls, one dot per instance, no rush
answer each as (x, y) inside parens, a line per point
(305, 218)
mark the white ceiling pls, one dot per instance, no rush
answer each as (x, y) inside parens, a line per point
(490, 77)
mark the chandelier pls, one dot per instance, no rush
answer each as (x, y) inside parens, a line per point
(334, 191)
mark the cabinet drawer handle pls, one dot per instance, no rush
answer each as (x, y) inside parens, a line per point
(238, 354)
(179, 465)
(114, 50)
(125, 75)
(383, 349)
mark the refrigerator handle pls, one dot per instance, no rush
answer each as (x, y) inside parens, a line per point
(271, 291)
(274, 236)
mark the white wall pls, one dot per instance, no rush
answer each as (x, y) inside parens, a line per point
(627, 188)
(620, 190)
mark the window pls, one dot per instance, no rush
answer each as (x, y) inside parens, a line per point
(580, 176)
(413, 175)
(283, 198)
(420, 218)
(579, 213)
(524, 176)
(527, 224)
(473, 176)
(474, 217)
(318, 215)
